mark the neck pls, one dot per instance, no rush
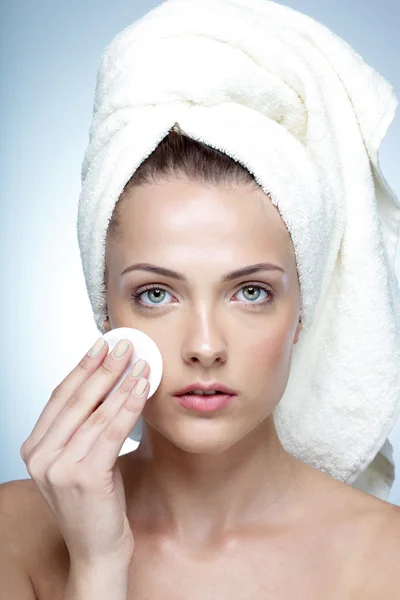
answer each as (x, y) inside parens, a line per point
(196, 499)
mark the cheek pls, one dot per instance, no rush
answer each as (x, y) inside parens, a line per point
(267, 355)
(266, 367)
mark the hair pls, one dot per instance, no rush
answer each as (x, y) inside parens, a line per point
(180, 155)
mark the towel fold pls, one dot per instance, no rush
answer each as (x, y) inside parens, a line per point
(295, 104)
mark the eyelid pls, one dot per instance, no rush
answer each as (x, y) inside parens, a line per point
(150, 287)
(163, 286)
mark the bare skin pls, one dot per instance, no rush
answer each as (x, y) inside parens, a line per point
(208, 330)
(215, 502)
(221, 486)
(343, 545)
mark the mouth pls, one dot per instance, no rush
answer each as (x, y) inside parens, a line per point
(205, 402)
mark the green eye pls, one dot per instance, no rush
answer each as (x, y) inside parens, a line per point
(254, 291)
(253, 294)
(156, 295)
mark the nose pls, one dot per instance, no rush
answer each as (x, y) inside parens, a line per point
(204, 342)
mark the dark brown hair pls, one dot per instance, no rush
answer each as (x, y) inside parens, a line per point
(179, 155)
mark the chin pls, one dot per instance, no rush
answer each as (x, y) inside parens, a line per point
(201, 436)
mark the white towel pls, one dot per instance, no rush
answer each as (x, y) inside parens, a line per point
(296, 105)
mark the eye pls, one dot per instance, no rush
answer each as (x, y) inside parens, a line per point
(156, 294)
(252, 293)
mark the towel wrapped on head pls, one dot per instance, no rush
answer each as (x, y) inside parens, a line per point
(301, 110)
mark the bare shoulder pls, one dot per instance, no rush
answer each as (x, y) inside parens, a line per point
(33, 530)
(379, 546)
(15, 581)
(38, 544)
(371, 530)
(16, 506)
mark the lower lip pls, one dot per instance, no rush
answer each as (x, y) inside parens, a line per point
(205, 403)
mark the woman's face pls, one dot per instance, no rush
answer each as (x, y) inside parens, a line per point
(239, 332)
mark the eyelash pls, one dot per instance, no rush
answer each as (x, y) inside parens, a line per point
(136, 295)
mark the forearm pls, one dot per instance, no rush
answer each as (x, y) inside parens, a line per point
(97, 584)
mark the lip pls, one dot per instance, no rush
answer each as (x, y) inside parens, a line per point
(205, 387)
(205, 403)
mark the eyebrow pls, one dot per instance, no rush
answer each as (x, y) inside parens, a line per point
(243, 272)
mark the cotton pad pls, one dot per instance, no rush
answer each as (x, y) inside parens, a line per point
(144, 347)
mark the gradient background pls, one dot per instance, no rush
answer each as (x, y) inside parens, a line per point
(48, 65)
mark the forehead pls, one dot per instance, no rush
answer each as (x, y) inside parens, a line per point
(183, 211)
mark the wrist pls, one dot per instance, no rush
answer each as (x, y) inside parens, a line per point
(100, 581)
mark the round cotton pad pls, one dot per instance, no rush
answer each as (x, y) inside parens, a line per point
(143, 347)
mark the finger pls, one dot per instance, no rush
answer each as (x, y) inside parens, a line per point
(59, 397)
(80, 405)
(89, 432)
(107, 447)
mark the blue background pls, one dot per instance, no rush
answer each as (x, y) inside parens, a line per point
(50, 53)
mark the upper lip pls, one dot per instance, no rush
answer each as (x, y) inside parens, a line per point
(206, 387)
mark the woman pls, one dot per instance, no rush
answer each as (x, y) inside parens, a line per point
(211, 503)
(213, 500)
(211, 489)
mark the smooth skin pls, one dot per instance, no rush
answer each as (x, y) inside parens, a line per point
(206, 476)
(221, 488)
(212, 501)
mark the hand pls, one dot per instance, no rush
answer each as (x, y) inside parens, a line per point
(71, 456)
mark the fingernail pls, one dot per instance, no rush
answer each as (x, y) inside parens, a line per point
(140, 386)
(120, 349)
(138, 368)
(96, 348)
